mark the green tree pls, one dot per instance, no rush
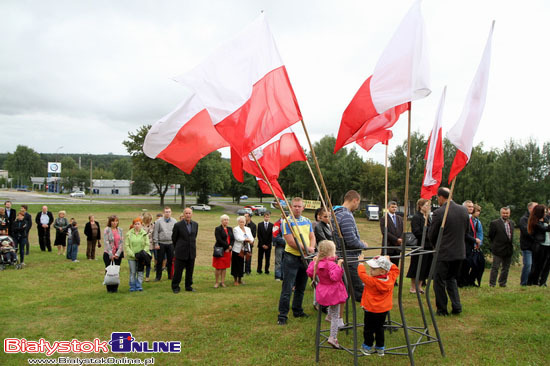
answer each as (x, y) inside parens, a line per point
(23, 164)
(161, 173)
(122, 168)
(372, 182)
(208, 176)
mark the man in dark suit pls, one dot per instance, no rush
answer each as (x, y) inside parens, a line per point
(184, 237)
(471, 240)
(265, 236)
(11, 215)
(44, 219)
(252, 226)
(451, 251)
(395, 231)
(501, 234)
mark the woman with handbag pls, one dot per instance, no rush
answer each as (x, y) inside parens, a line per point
(61, 226)
(221, 259)
(113, 241)
(241, 248)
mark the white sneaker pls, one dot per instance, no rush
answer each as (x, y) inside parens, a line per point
(341, 323)
(380, 351)
(76, 260)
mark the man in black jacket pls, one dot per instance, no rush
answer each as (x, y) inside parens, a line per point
(465, 277)
(28, 220)
(184, 238)
(501, 234)
(451, 251)
(395, 231)
(43, 220)
(526, 243)
(11, 215)
(265, 236)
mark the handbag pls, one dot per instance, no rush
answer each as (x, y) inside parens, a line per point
(112, 274)
(410, 240)
(218, 252)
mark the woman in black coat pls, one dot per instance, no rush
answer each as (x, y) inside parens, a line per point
(423, 207)
(225, 239)
(537, 228)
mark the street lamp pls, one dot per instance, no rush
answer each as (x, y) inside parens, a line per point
(57, 180)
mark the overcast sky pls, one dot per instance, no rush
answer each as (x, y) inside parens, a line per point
(81, 74)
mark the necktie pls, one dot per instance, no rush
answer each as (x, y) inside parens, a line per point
(265, 225)
(393, 219)
(507, 226)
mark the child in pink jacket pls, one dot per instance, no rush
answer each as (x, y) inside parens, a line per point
(330, 290)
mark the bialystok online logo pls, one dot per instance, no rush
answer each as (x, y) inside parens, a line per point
(121, 342)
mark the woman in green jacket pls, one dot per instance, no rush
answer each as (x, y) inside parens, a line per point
(136, 249)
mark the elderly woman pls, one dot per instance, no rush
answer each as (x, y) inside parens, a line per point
(113, 241)
(148, 226)
(93, 236)
(243, 240)
(423, 207)
(224, 239)
(61, 225)
(136, 248)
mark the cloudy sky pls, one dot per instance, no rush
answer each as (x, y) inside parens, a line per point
(81, 74)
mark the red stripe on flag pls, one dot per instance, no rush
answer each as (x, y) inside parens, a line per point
(194, 140)
(272, 107)
(459, 163)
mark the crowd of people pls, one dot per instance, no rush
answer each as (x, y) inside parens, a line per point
(170, 245)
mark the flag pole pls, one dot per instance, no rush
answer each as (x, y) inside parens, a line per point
(403, 241)
(302, 242)
(385, 244)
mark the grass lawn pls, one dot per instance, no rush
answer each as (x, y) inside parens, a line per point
(55, 299)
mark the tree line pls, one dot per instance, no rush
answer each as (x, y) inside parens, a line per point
(509, 176)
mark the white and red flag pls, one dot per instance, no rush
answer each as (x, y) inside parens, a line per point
(434, 155)
(245, 88)
(184, 136)
(462, 133)
(400, 76)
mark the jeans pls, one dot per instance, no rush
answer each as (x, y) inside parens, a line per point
(497, 261)
(72, 251)
(20, 243)
(279, 252)
(167, 249)
(136, 278)
(445, 283)
(294, 274)
(527, 256)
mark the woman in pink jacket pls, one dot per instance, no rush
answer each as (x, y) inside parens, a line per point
(330, 290)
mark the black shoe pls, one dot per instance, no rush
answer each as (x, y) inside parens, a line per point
(456, 312)
(442, 313)
(302, 315)
(190, 289)
(176, 291)
(281, 322)
(259, 272)
(266, 272)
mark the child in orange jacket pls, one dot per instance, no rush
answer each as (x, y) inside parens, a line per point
(377, 300)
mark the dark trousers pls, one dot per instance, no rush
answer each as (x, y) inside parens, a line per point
(168, 250)
(445, 284)
(180, 265)
(374, 328)
(28, 244)
(248, 262)
(540, 257)
(261, 253)
(90, 248)
(294, 274)
(545, 266)
(44, 239)
(107, 261)
(20, 242)
(497, 262)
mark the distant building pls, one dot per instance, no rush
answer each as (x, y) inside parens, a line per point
(106, 187)
(4, 174)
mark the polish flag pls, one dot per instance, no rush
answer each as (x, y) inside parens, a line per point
(400, 76)
(245, 88)
(273, 156)
(274, 184)
(462, 133)
(184, 136)
(434, 156)
(368, 142)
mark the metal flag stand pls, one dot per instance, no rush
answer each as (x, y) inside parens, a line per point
(425, 337)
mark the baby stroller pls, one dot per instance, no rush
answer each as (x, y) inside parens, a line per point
(8, 253)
